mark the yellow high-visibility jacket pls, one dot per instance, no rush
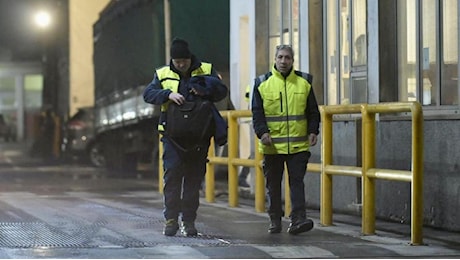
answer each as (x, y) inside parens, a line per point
(280, 107)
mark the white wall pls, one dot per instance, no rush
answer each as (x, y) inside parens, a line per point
(242, 50)
(242, 65)
(83, 14)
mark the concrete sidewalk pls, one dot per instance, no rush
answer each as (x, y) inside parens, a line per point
(392, 236)
(132, 228)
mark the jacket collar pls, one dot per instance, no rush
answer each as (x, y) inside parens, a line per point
(195, 64)
(277, 73)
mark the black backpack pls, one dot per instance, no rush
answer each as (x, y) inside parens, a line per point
(192, 120)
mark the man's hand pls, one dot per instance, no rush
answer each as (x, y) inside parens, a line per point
(176, 98)
(313, 139)
(198, 90)
(266, 139)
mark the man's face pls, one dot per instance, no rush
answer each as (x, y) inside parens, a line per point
(284, 61)
(182, 65)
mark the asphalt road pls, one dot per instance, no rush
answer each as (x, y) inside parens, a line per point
(76, 211)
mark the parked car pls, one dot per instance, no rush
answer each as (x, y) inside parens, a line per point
(78, 142)
(7, 129)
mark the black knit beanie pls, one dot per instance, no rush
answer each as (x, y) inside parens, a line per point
(179, 49)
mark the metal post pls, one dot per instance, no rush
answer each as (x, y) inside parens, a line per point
(326, 180)
(368, 214)
(232, 154)
(160, 165)
(260, 179)
(417, 174)
(167, 22)
(210, 175)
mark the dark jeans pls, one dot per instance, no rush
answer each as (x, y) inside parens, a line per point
(182, 181)
(273, 171)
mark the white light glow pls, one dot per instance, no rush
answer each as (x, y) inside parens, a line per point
(42, 19)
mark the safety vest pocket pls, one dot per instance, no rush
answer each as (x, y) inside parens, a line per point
(272, 103)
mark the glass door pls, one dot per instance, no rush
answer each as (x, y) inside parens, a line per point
(358, 72)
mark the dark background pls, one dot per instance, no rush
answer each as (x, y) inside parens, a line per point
(20, 38)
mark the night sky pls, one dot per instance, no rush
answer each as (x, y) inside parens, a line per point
(19, 37)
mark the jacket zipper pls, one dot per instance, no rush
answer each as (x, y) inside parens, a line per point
(287, 120)
(281, 102)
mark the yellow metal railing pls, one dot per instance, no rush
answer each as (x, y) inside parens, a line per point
(368, 172)
(233, 161)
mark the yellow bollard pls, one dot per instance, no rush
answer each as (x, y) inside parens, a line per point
(260, 179)
(210, 175)
(417, 177)
(160, 165)
(368, 214)
(326, 179)
(232, 153)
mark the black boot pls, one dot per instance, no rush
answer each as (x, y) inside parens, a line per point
(171, 227)
(275, 225)
(188, 229)
(299, 224)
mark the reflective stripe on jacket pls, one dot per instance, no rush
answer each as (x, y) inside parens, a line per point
(170, 80)
(285, 104)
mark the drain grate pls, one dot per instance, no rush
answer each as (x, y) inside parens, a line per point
(27, 235)
(132, 233)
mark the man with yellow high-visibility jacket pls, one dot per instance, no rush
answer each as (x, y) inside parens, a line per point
(286, 120)
(186, 78)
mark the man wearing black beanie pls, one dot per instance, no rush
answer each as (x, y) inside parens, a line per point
(180, 50)
(186, 78)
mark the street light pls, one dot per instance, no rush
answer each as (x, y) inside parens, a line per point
(42, 19)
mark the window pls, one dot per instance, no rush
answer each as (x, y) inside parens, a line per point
(284, 27)
(358, 73)
(332, 54)
(438, 62)
(33, 86)
(449, 62)
(7, 93)
(407, 50)
(359, 33)
(346, 51)
(430, 74)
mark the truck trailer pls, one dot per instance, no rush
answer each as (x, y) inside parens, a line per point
(130, 42)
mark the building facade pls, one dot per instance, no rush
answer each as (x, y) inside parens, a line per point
(368, 51)
(83, 14)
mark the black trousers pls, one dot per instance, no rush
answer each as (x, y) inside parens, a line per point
(273, 170)
(183, 176)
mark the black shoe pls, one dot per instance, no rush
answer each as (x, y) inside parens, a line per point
(188, 229)
(275, 226)
(300, 226)
(171, 227)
